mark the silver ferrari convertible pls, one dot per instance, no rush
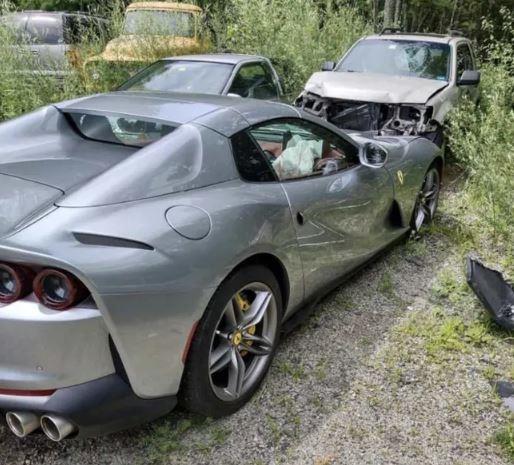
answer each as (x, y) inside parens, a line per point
(153, 247)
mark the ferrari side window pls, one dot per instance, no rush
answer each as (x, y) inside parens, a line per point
(296, 148)
(250, 161)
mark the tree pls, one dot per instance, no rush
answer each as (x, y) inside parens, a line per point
(389, 13)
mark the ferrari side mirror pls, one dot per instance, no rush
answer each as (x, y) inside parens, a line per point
(373, 155)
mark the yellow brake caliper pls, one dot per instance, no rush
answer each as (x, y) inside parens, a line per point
(244, 305)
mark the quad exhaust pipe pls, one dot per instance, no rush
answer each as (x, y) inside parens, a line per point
(56, 428)
(24, 423)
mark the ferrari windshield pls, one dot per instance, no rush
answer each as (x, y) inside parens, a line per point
(119, 129)
(429, 60)
(201, 77)
(159, 22)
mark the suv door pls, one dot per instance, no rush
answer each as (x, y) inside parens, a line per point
(339, 206)
(255, 80)
(465, 62)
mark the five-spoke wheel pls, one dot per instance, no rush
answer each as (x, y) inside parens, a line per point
(243, 340)
(234, 343)
(428, 197)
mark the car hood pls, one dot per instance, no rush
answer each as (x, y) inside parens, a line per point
(368, 87)
(21, 200)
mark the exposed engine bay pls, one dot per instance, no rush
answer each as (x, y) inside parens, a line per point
(382, 118)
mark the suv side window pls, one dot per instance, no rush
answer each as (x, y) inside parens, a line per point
(45, 29)
(296, 149)
(255, 81)
(464, 59)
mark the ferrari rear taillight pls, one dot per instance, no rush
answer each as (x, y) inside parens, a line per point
(15, 282)
(59, 290)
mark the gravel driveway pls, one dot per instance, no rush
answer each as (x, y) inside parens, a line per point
(334, 394)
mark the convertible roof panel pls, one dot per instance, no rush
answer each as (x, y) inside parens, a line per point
(143, 105)
(226, 115)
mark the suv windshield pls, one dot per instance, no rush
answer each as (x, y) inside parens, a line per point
(427, 60)
(118, 129)
(200, 77)
(159, 22)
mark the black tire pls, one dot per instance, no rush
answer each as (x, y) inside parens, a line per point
(424, 211)
(196, 393)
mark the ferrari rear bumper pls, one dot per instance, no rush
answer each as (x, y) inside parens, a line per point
(43, 349)
(97, 407)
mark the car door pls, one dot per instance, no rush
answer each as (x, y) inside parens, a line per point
(255, 80)
(465, 62)
(340, 207)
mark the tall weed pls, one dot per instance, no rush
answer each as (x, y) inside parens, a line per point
(296, 35)
(482, 140)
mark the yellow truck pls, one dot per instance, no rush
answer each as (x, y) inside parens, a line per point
(151, 30)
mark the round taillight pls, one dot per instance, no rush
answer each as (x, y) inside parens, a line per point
(59, 290)
(15, 282)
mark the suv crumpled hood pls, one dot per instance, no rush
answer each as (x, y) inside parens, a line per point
(21, 200)
(368, 87)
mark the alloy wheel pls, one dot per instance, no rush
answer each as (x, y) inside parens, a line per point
(428, 197)
(243, 341)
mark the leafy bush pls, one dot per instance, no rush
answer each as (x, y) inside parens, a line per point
(296, 35)
(482, 139)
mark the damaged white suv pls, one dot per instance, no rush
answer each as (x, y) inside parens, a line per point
(395, 84)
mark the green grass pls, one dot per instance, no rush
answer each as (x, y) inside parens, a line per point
(443, 334)
(415, 248)
(295, 370)
(168, 437)
(386, 285)
(505, 439)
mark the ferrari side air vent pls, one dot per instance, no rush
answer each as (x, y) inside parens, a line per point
(109, 241)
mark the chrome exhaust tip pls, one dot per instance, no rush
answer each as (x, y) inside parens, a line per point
(22, 423)
(56, 428)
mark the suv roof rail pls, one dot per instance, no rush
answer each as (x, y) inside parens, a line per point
(455, 33)
(391, 30)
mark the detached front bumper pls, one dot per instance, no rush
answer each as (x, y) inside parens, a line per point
(97, 407)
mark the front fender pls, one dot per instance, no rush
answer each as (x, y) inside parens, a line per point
(408, 164)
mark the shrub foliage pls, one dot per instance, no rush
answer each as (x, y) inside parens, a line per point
(296, 35)
(482, 138)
